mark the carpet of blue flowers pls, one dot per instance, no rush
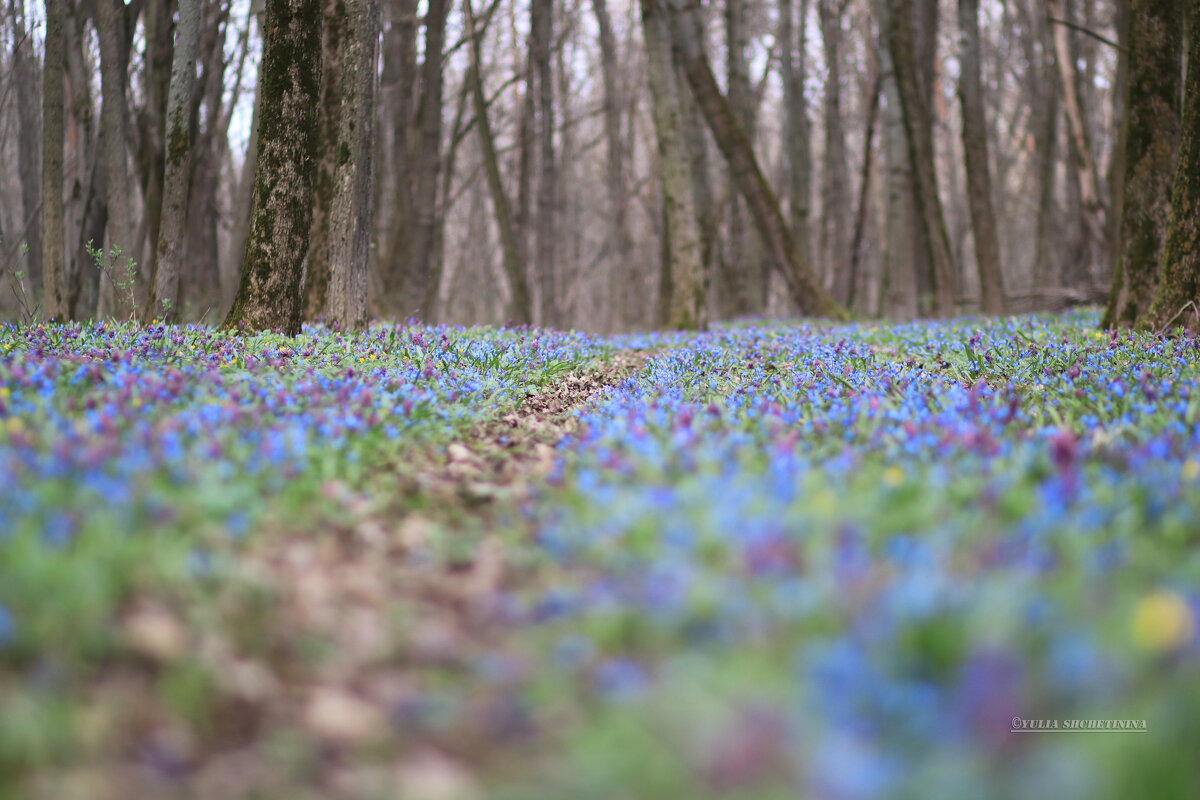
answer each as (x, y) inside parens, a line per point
(787, 560)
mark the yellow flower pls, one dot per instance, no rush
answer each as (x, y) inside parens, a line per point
(1191, 469)
(893, 477)
(1163, 621)
(15, 425)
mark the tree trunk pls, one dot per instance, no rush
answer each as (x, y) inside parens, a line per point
(1177, 302)
(617, 244)
(110, 24)
(53, 271)
(542, 41)
(1044, 100)
(797, 273)
(681, 294)
(975, 149)
(428, 162)
(798, 129)
(29, 142)
(521, 309)
(901, 245)
(1083, 163)
(736, 285)
(317, 273)
(1151, 138)
(353, 191)
(835, 183)
(398, 92)
(152, 125)
(164, 286)
(270, 294)
(917, 115)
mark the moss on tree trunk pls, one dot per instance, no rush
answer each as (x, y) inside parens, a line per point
(270, 294)
(1151, 136)
(1177, 302)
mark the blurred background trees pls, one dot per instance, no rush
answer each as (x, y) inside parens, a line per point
(568, 162)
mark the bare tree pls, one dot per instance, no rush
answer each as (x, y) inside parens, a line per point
(165, 298)
(797, 273)
(975, 148)
(110, 23)
(29, 139)
(350, 220)
(1083, 162)
(541, 44)
(835, 181)
(681, 297)
(900, 253)
(918, 132)
(521, 308)
(270, 294)
(53, 268)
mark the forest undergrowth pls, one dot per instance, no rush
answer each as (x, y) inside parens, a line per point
(766, 561)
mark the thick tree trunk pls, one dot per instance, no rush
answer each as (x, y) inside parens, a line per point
(316, 273)
(353, 191)
(1083, 163)
(858, 282)
(270, 294)
(53, 272)
(681, 297)
(975, 149)
(835, 182)
(542, 41)
(917, 124)
(29, 142)
(1044, 100)
(786, 256)
(521, 310)
(164, 286)
(110, 24)
(1151, 138)
(1177, 302)
(89, 181)
(900, 252)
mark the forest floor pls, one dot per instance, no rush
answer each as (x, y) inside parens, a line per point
(766, 561)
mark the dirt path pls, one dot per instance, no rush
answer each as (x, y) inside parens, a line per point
(355, 641)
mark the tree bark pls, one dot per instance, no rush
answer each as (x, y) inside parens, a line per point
(901, 245)
(29, 142)
(542, 41)
(835, 182)
(110, 24)
(53, 270)
(917, 115)
(1151, 137)
(353, 192)
(975, 149)
(317, 299)
(786, 256)
(681, 290)
(164, 286)
(1177, 301)
(270, 294)
(521, 309)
